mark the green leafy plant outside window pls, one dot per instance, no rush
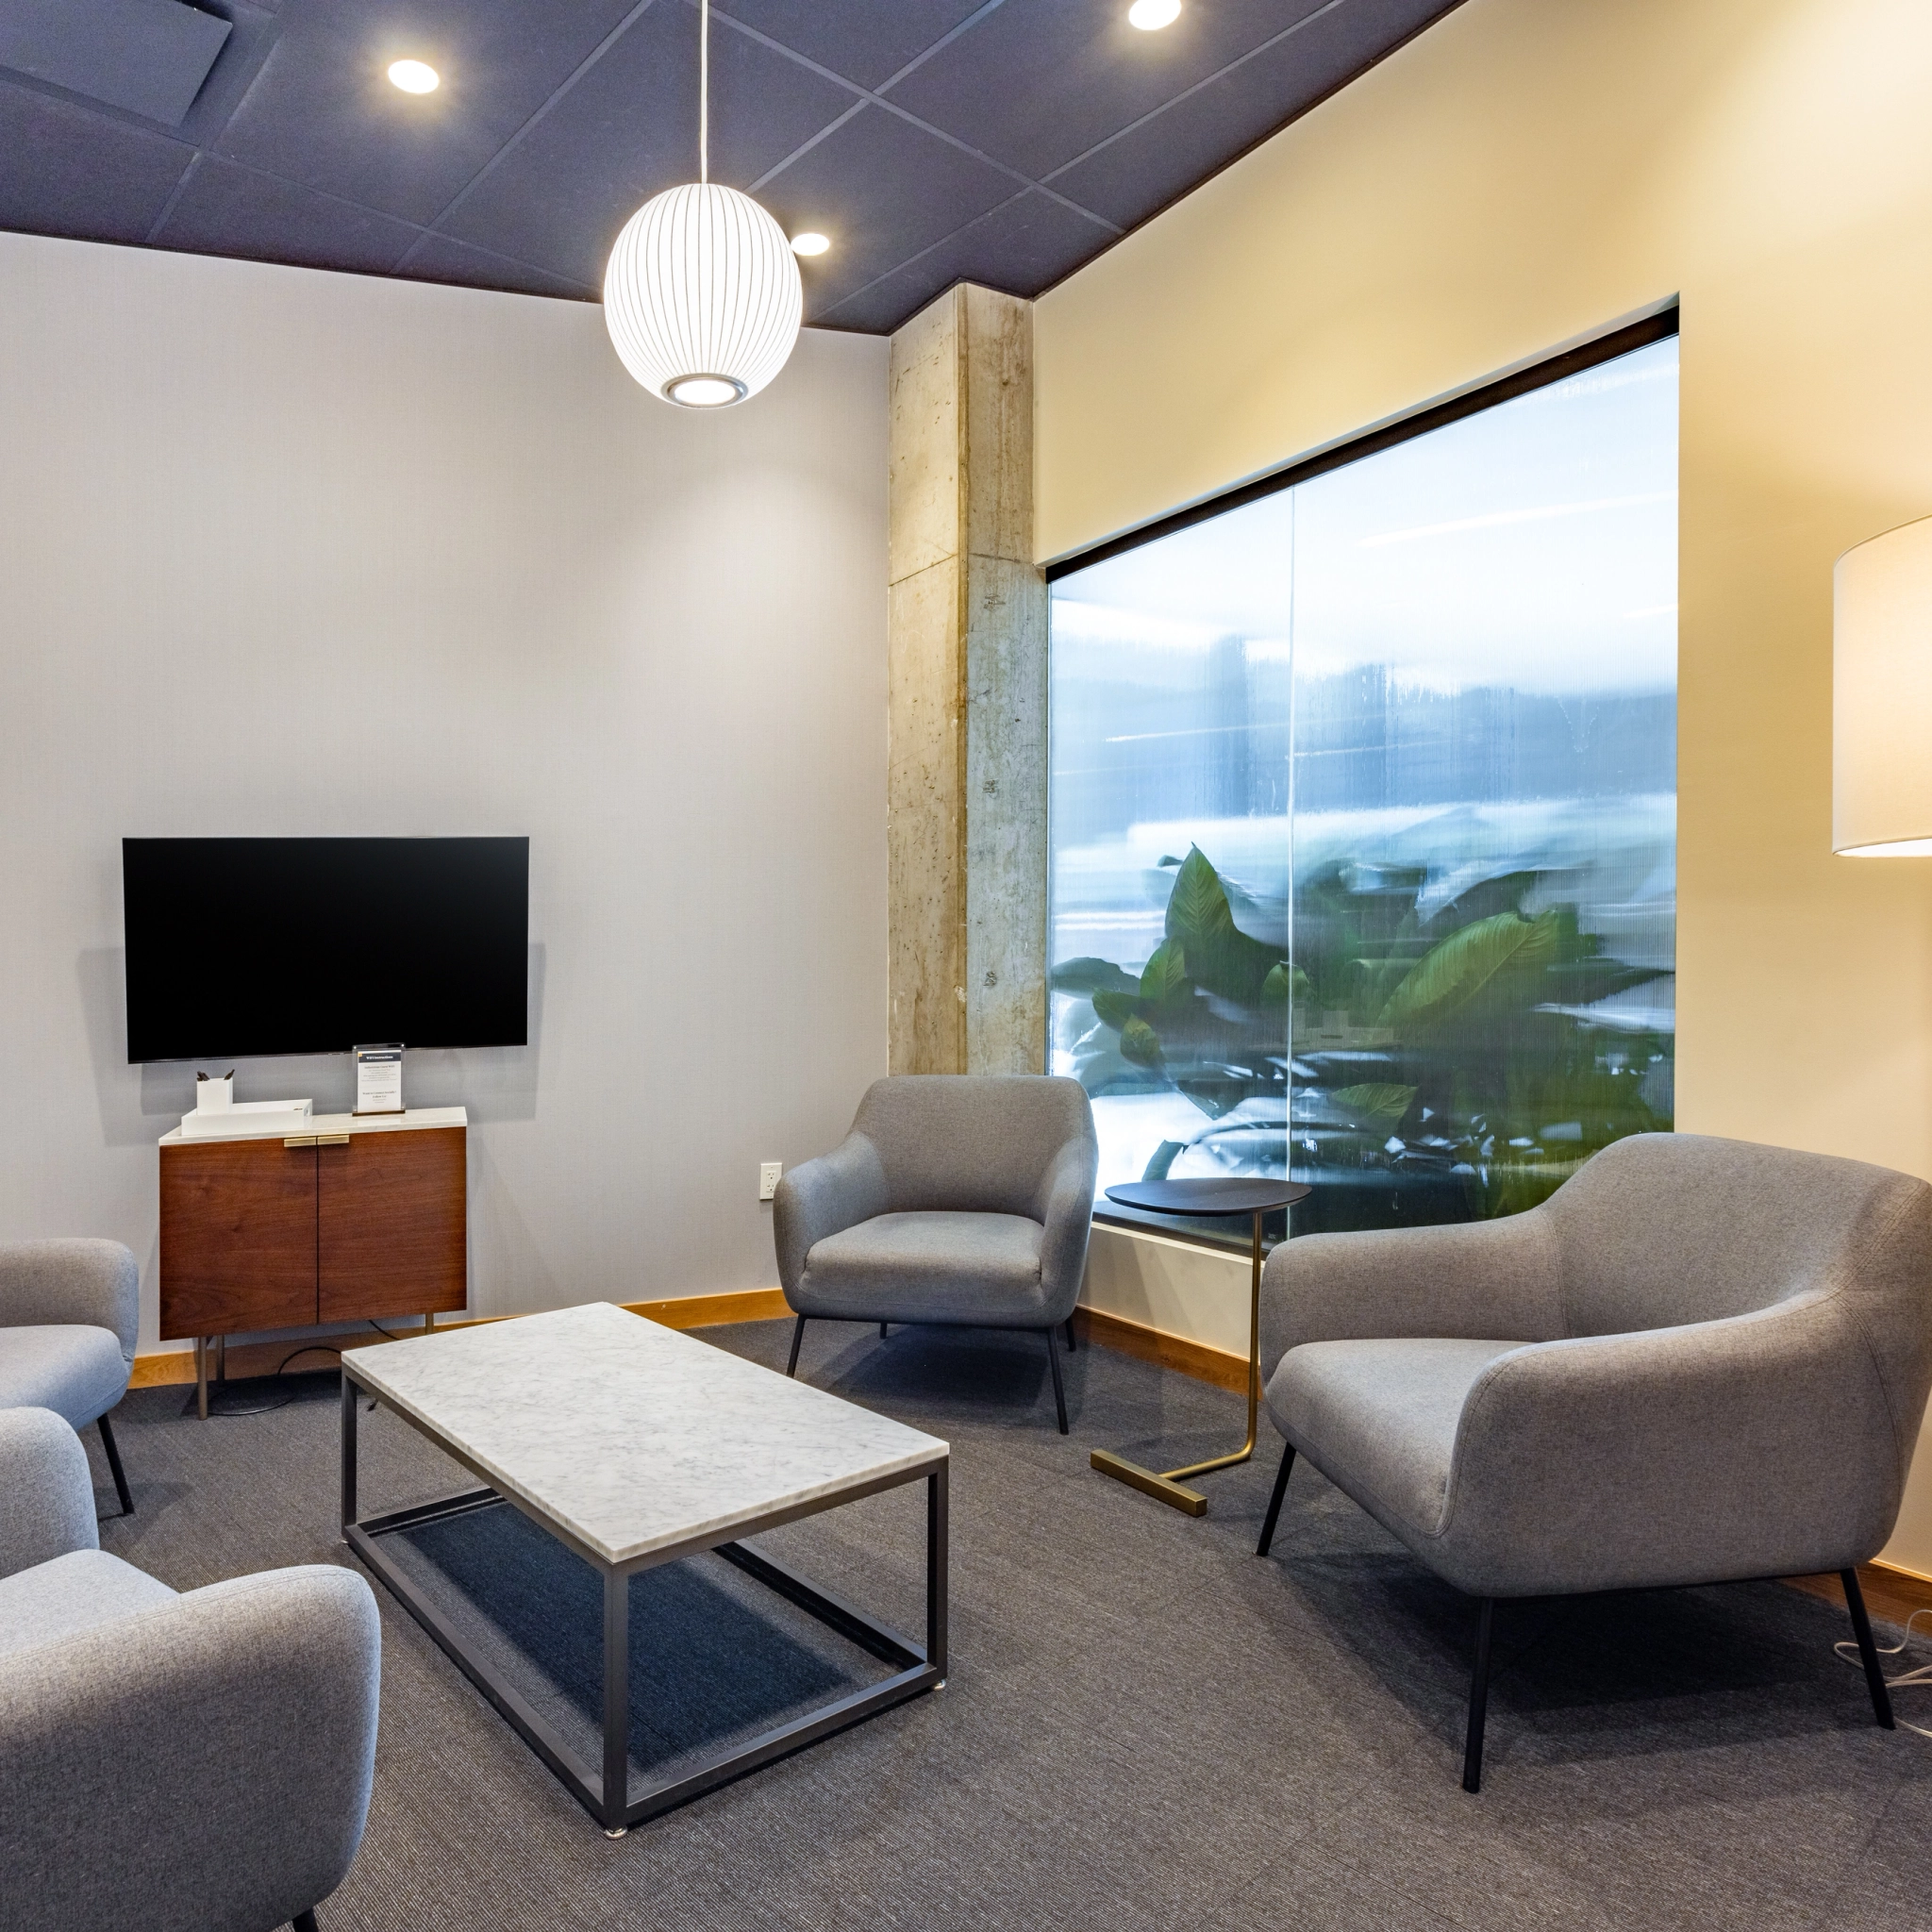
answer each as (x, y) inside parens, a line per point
(1414, 1066)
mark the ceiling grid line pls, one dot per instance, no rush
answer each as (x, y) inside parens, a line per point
(174, 194)
(529, 126)
(877, 97)
(1207, 81)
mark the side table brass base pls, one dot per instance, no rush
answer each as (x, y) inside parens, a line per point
(1163, 1489)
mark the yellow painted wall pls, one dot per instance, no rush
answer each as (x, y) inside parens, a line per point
(1523, 173)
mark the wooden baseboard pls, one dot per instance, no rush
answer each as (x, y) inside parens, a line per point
(1891, 1592)
(177, 1365)
(714, 1311)
(172, 1367)
(1155, 1345)
(1195, 1359)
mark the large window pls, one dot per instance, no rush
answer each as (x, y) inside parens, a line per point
(1364, 815)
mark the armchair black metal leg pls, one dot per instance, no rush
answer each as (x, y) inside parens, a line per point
(797, 1336)
(1868, 1651)
(883, 1327)
(1273, 1515)
(109, 1444)
(302, 1921)
(1060, 1394)
(1478, 1697)
(1072, 1346)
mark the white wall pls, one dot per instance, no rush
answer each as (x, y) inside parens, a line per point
(286, 552)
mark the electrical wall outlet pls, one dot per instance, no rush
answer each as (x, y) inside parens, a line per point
(768, 1172)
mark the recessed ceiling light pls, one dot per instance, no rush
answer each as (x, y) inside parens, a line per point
(809, 244)
(1150, 15)
(419, 77)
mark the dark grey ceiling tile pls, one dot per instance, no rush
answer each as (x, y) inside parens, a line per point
(882, 190)
(230, 210)
(1020, 246)
(866, 44)
(322, 111)
(149, 57)
(438, 259)
(1039, 81)
(630, 129)
(90, 176)
(1131, 178)
(252, 26)
(310, 156)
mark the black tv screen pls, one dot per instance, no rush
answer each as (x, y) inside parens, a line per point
(239, 946)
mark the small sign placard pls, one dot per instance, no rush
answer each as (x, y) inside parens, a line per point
(379, 1078)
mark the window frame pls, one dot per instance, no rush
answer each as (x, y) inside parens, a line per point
(1620, 339)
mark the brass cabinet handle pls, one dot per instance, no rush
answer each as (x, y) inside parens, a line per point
(300, 1141)
(331, 1140)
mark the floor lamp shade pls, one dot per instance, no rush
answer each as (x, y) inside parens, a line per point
(702, 296)
(1881, 701)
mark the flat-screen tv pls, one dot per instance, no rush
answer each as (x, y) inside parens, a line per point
(239, 946)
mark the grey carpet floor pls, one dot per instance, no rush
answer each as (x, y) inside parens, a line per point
(1145, 1726)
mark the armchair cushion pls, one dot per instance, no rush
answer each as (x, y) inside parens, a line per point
(975, 1269)
(63, 1282)
(956, 1198)
(72, 1594)
(1379, 1418)
(78, 1372)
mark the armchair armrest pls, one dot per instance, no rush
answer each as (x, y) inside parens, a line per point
(1065, 1206)
(94, 1283)
(47, 1493)
(1480, 1280)
(234, 1726)
(823, 1195)
(1759, 1446)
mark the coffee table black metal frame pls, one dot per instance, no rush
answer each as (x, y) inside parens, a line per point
(1207, 1197)
(605, 1793)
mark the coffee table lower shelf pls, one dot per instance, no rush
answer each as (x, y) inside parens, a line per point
(607, 1792)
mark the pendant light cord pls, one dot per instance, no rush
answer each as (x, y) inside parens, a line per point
(703, 92)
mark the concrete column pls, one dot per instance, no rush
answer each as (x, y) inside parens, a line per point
(967, 716)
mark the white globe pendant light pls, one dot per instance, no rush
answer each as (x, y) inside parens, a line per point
(702, 295)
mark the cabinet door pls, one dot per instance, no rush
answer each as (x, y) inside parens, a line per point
(391, 1224)
(238, 1237)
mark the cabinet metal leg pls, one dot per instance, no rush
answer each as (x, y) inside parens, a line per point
(201, 1377)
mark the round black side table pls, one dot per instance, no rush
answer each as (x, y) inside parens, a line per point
(1204, 1198)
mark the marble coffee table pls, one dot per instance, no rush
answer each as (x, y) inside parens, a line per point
(634, 1445)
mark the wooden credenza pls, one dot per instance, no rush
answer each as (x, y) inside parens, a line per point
(353, 1219)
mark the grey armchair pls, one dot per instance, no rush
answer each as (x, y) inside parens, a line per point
(956, 1199)
(1699, 1361)
(197, 1762)
(68, 1315)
